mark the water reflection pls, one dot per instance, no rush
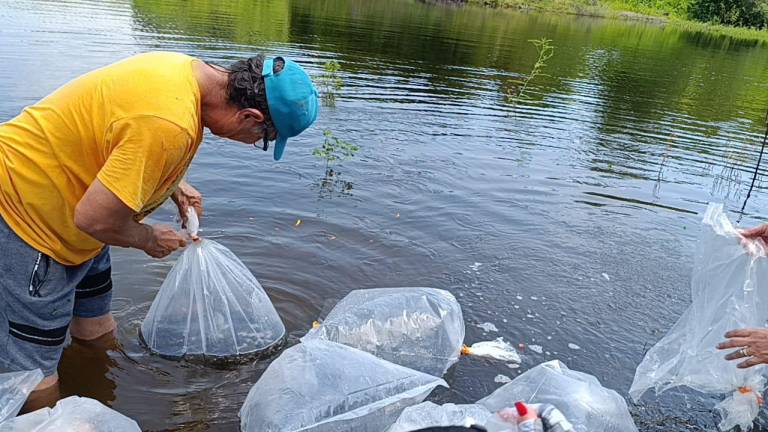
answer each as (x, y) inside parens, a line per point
(87, 366)
(333, 184)
(601, 170)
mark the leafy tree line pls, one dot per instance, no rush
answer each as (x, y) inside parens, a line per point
(742, 13)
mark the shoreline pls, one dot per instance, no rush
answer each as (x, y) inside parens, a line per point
(614, 9)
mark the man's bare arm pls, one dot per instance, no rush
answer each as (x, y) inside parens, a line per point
(103, 216)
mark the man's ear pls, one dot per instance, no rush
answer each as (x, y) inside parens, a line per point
(253, 113)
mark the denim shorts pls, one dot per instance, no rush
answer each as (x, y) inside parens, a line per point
(39, 297)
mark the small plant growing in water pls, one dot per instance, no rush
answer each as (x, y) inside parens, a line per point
(546, 50)
(330, 82)
(334, 149)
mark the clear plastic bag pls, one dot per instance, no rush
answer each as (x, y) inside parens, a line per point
(210, 305)
(321, 386)
(581, 398)
(428, 414)
(420, 328)
(727, 292)
(73, 414)
(14, 389)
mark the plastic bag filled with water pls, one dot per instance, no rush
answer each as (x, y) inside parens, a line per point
(728, 291)
(73, 414)
(584, 402)
(14, 389)
(420, 328)
(211, 306)
(321, 386)
(430, 415)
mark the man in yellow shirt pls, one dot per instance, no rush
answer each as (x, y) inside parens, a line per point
(80, 169)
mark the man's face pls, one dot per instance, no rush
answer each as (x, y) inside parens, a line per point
(245, 125)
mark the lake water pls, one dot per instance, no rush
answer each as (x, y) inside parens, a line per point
(567, 218)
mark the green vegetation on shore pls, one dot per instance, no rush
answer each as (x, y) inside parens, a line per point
(739, 19)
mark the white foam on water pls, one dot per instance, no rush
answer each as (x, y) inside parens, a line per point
(488, 327)
(502, 379)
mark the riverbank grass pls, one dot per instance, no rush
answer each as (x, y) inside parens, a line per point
(663, 14)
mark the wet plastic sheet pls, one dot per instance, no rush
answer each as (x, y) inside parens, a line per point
(322, 386)
(727, 292)
(420, 328)
(211, 305)
(73, 414)
(14, 389)
(586, 404)
(428, 414)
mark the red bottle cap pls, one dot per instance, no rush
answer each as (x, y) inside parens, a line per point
(521, 409)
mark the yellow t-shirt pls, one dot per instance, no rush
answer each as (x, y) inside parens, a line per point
(135, 125)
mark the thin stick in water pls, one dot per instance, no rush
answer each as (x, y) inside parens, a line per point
(757, 167)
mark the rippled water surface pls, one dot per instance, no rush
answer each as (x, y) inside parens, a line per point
(568, 218)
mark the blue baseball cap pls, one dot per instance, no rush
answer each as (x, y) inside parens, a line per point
(292, 100)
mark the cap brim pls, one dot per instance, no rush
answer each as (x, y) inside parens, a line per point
(280, 143)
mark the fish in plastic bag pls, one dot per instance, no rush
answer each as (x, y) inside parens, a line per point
(727, 292)
(14, 389)
(428, 415)
(211, 306)
(73, 414)
(321, 386)
(581, 398)
(420, 328)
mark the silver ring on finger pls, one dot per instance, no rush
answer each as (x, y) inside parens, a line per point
(745, 352)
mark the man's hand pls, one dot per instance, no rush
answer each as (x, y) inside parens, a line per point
(752, 344)
(758, 232)
(186, 196)
(162, 240)
(755, 240)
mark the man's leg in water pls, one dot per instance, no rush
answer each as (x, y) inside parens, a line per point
(38, 297)
(92, 323)
(93, 300)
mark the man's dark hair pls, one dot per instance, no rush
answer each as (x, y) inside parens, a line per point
(245, 87)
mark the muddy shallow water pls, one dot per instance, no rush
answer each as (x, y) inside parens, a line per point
(567, 220)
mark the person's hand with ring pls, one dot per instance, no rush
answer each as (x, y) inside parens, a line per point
(752, 344)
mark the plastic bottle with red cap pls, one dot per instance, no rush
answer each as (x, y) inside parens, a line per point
(521, 418)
